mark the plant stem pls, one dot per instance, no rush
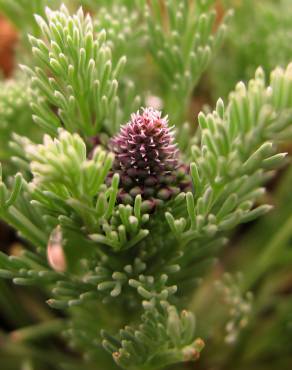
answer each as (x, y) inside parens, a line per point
(38, 331)
(269, 256)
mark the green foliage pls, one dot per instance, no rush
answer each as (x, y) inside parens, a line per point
(124, 34)
(234, 159)
(238, 304)
(61, 171)
(85, 87)
(122, 274)
(15, 112)
(68, 189)
(181, 42)
(81, 92)
(21, 12)
(144, 348)
(265, 41)
(18, 213)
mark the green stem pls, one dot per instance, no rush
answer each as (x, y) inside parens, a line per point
(10, 306)
(27, 365)
(16, 219)
(24, 350)
(37, 331)
(269, 257)
(266, 260)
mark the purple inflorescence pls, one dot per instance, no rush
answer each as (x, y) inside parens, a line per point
(147, 159)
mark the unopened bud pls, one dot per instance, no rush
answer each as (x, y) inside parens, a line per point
(55, 252)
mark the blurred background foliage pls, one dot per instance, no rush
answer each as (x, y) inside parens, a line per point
(260, 33)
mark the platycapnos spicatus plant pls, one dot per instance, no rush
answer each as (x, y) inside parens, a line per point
(120, 207)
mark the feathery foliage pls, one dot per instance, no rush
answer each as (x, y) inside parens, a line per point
(122, 223)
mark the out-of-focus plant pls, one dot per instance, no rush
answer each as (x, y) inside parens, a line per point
(15, 116)
(260, 33)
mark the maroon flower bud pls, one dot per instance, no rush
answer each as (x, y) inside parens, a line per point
(147, 143)
(135, 191)
(147, 206)
(125, 198)
(148, 192)
(164, 194)
(146, 157)
(151, 181)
